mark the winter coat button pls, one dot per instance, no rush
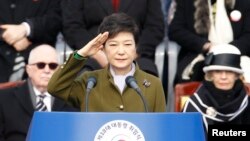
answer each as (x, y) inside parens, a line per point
(121, 107)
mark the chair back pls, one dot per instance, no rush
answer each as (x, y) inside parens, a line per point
(6, 85)
(182, 93)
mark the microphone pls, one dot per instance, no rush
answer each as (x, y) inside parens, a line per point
(131, 82)
(91, 82)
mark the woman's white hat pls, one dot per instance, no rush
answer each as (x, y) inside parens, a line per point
(223, 57)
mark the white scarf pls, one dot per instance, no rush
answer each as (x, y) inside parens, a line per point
(220, 30)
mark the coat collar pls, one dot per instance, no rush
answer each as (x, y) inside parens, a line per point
(107, 71)
(57, 105)
(22, 94)
(107, 6)
(138, 75)
(124, 5)
(201, 15)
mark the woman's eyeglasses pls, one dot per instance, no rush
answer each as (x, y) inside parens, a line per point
(41, 65)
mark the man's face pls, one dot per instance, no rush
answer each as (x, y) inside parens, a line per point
(41, 68)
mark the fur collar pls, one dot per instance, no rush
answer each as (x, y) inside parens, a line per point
(201, 15)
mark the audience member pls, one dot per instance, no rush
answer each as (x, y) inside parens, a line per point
(117, 40)
(18, 104)
(222, 97)
(81, 19)
(199, 25)
(23, 25)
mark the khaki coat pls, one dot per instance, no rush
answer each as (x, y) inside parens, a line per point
(105, 96)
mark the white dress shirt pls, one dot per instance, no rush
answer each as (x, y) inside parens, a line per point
(47, 100)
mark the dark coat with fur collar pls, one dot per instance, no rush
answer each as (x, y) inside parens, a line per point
(182, 31)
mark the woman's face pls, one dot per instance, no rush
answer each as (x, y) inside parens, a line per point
(224, 80)
(121, 52)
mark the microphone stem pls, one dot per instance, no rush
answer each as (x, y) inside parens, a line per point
(87, 99)
(143, 99)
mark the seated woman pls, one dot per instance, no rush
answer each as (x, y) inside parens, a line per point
(222, 97)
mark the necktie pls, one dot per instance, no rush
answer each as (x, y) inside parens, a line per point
(40, 106)
(116, 4)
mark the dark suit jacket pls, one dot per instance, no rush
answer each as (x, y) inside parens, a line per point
(182, 31)
(16, 112)
(81, 19)
(44, 18)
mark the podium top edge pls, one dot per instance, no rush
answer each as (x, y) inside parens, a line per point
(122, 113)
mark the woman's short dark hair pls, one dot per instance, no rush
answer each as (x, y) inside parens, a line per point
(119, 22)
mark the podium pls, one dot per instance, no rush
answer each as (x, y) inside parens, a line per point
(80, 126)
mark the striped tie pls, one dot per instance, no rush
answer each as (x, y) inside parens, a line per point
(40, 106)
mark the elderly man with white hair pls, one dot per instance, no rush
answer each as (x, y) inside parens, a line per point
(18, 104)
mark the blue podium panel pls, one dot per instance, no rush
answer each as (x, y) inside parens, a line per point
(79, 126)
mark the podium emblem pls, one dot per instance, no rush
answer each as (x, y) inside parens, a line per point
(119, 130)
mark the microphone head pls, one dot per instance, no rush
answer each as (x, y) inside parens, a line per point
(130, 81)
(92, 80)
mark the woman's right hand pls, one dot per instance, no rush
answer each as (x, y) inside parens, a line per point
(93, 46)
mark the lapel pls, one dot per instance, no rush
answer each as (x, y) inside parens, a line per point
(124, 4)
(30, 6)
(23, 96)
(6, 12)
(57, 105)
(107, 6)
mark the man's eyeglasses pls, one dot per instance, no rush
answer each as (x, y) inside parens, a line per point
(41, 65)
